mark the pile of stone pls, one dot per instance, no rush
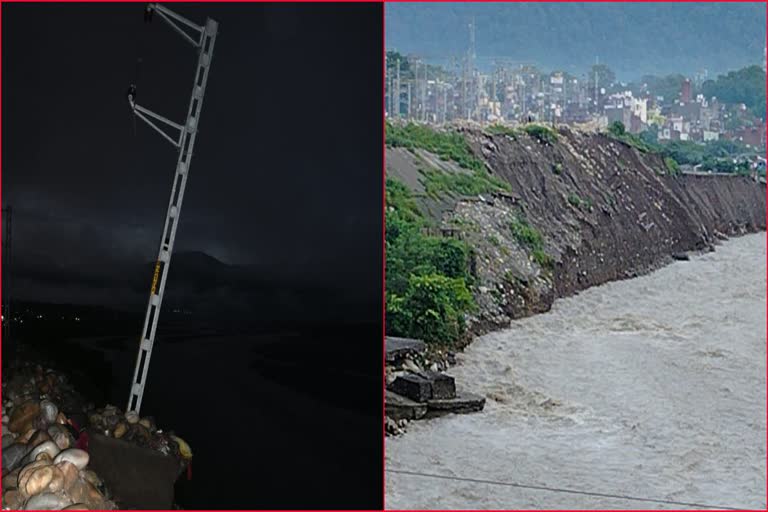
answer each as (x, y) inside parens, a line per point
(417, 388)
(111, 422)
(42, 467)
(47, 427)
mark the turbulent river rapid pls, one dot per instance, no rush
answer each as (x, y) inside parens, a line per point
(652, 387)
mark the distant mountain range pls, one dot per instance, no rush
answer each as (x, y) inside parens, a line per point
(631, 38)
(197, 282)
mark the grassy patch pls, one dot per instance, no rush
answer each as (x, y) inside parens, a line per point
(578, 202)
(500, 129)
(617, 131)
(438, 183)
(557, 168)
(427, 277)
(543, 134)
(447, 145)
(527, 236)
(400, 198)
(672, 166)
(542, 258)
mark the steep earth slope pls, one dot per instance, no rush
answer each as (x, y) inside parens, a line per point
(583, 209)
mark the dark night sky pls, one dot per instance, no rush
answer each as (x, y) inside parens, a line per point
(287, 166)
(286, 180)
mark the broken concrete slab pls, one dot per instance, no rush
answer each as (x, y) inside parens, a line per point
(398, 348)
(425, 385)
(399, 407)
(413, 386)
(443, 386)
(462, 404)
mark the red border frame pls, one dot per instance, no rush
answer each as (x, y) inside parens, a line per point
(383, 179)
(765, 233)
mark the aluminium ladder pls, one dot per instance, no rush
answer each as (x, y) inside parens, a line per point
(204, 39)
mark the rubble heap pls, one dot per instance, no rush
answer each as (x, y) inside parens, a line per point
(43, 467)
(417, 387)
(45, 450)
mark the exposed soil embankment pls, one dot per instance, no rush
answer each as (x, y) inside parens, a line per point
(583, 209)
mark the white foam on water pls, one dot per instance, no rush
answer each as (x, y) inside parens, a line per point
(651, 387)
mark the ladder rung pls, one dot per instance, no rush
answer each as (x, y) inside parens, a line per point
(165, 255)
(146, 344)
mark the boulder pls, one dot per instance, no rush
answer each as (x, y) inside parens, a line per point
(76, 456)
(26, 436)
(84, 492)
(47, 501)
(39, 437)
(23, 415)
(48, 411)
(70, 473)
(13, 455)
(120, 430)
(13, 500)
(8, 440)
(11, 480)
(35, 478)
(443, 386)
(413, 386)
(47, 447)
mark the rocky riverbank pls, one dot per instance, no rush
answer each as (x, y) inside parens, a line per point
(573, 210)
(48, 427)
(417, 387)
(581, 209)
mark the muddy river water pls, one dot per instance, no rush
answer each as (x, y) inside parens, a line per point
(652, 387)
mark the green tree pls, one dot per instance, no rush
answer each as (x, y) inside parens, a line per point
(617, 128)
(747, 85)
(668, 86)
(427, 277)
(432, 308)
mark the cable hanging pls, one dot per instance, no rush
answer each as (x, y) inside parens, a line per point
(560, 490)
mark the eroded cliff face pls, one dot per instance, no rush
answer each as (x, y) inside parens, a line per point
(603, 210)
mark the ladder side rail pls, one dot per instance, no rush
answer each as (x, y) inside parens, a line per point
(193, 116)
(162, 265)
(185, 155)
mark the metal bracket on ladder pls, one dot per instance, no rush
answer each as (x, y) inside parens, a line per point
(184, 142)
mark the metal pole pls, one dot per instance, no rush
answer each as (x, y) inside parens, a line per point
(397, 90)
(409, 100)
(7, 255)
(185, 146)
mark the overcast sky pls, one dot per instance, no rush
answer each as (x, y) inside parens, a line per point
(287, 165)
